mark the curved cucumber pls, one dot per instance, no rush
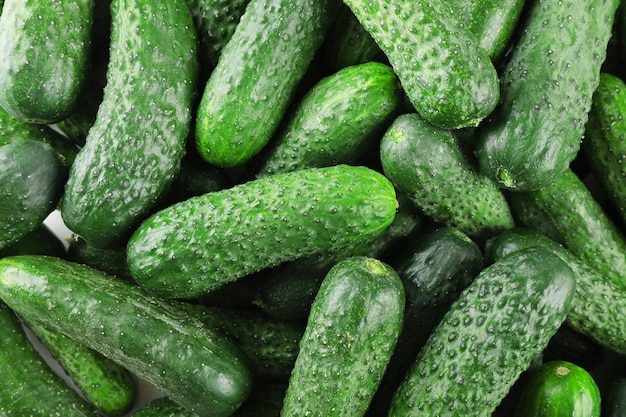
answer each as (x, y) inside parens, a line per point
(45, 57)
(204, 242)
(134, 148)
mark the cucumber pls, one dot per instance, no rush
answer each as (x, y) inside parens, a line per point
(567, 212)
(340, 118)
(570, 345)
(427, 164)
(597, 310)
(350, 334)
(256, 225)
(39, 241)
(163, 407)
(249, 90)
(31, 184)
(111, 260)
(29, 386)
(559, 388)
(447, 76)
(488, 337)
(189, 362)
(46, 49)
(547, 85)
(615, 404)
(77, 124)
(134, 148)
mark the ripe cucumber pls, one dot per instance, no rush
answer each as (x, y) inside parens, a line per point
(134, 148)
(256, 76)
(189, 362)
(488, 337)
(46, 49)
(427, 164)
(535, 131)
(202, 243)
(350, 335)
(447, 76)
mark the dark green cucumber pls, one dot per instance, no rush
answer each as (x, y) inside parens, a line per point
(77, 124)
(427, 164)
(559, 388)
(163, 407)
(31, 184)
(200, 244)
(615, 404)
(546, 92)
(447, 76)
(350, 335)
(488, 337)
(189, 362)
(248, 92)
(598, 308)
(46, 55)
(111, 260)
(134, 148)
(39, 241)
(567, 212)
(341, 117)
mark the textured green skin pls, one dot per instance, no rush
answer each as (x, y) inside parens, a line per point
(155, 340)
(568, 213)
(202, 243)
(546, 92)
(134, 148)
(31, 184)
(46, 47)
(488, 337)
(604, 144)
(29, 386)
(427, 164)
(39, 241)
(249, 90)
(104, 383)
(447, 76)
(559, 388)
(337, 120)
(350, 335)
(598, 308)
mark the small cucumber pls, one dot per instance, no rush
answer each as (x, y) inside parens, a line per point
(248, 92)
(350, 335)
(559, 389)
(488, 337)
(447, 76)
(134, 148)
(427, 164)
(189, 362)
(200, 244)
(535, 131)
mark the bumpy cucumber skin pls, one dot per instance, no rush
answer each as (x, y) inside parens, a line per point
(568, 213)
(350, 335)
(546, 93)
(46, 47)
(427, 164)
(500, 322)
(337, 120)
(249, 90)
(186, 360)
(134, 148)
(202, 243)
(604, 144)
(29, 386)
(447, 76)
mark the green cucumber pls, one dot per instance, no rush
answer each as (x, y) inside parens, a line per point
(535, 131)
(598, 308)
(134, 148)
(447, 76)
(427, 164)
(39, 241)
(559, 388)
(341, 117)
(111, 260)
(77, 124)
(189, 362)
(350, 335)
(200, 244)
(488, 337)
(615, 404)
(259, 69)
(163, 407)
(46, 55)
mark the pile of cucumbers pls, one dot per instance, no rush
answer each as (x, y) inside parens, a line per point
(284, 208)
